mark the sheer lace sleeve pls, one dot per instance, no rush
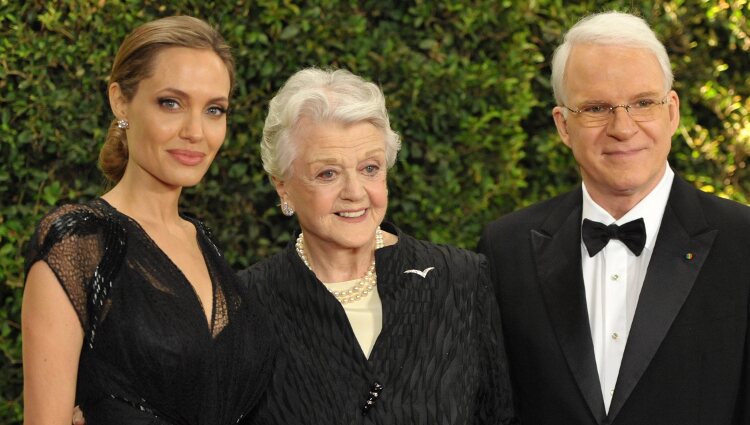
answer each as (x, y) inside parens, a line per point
(83, 249)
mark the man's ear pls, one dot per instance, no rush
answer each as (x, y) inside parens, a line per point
(558, 114)
(674, 110)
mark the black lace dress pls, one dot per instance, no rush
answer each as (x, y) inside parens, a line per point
(149, 355)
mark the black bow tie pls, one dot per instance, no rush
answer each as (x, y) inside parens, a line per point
(596, 235)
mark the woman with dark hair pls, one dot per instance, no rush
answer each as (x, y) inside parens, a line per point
(129, 308)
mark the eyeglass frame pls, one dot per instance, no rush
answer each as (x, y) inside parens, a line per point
(665, 100)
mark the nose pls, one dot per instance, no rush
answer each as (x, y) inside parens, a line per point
(621, 126)
(192, 126)
(353, 188)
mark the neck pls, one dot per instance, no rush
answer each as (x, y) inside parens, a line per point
(335, 264)
(618, 206)
(618, 203)
(145, 200)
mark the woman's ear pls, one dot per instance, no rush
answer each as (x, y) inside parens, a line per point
(279, 185)
(287, 206)
(117, 101)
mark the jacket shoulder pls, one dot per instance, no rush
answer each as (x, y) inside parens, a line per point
(721, 209)
(533, 215)
(265, 269)
(447, 254)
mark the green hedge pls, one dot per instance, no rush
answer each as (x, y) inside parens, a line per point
(467, 84)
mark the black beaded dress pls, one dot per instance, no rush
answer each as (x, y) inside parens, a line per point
(149, 355)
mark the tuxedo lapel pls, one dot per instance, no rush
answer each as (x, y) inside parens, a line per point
(557, 250)
(682, 245)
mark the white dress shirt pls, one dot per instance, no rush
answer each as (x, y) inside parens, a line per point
(613, 279)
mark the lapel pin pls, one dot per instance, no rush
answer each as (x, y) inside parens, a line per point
(689, 256)
(422, 273)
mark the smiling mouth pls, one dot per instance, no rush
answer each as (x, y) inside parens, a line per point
(351, 214)
(624, 153)
(187, 157)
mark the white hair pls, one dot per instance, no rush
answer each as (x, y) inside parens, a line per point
(608, 28)
(321, 95)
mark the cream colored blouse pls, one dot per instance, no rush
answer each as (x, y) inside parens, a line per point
(365, 315)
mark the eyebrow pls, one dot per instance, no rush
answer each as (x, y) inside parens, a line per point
(220, 99)
(637, 96)
(374, 152)
(646, 94)
(323, 161)
(332, 160)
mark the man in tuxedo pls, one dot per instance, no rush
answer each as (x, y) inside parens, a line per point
(625, 301)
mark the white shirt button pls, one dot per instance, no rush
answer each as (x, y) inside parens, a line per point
(615, 336)
(615, 277)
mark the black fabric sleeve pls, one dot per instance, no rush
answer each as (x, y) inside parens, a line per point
(742, 408)
(68, 240)
(495, 398)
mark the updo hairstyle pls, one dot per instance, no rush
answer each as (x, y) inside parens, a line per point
(321, 96)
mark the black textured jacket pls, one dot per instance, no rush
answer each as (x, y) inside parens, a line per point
(440, 356)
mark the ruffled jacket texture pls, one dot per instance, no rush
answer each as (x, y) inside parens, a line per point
(439, 358)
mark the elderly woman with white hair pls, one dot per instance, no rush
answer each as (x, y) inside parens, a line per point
(375, 326)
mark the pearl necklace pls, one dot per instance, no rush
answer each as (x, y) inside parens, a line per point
(363, 286)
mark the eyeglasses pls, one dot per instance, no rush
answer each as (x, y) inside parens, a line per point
(598, 114)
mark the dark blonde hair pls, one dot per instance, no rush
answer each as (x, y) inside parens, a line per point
(134, 62)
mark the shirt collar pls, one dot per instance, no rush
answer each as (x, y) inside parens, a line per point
(651, 208)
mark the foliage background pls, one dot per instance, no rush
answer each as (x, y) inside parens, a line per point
(467, 84)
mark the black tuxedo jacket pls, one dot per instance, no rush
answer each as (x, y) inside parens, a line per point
(687, 358)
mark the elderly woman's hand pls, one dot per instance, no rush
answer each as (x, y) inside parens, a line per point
(78, 416)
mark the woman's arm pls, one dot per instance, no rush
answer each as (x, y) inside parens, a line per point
(52, 341)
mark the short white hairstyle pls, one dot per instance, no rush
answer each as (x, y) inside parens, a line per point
(321, 96)
(608, 28)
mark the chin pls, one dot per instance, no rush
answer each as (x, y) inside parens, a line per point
(354, 242)
(191, 183)
(186, 180)
(628, 187)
